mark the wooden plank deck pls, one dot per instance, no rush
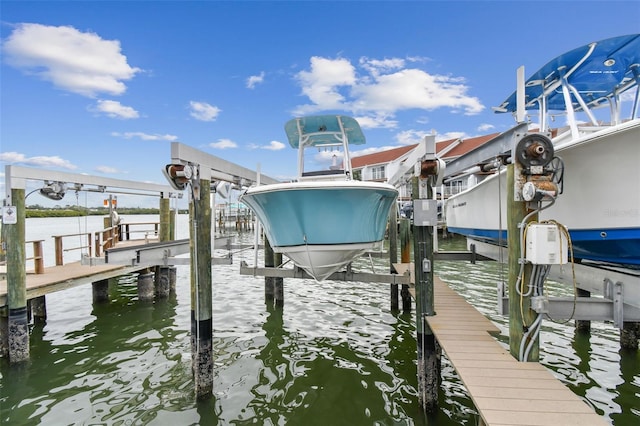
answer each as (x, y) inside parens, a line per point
(504, 390)
(57, 278)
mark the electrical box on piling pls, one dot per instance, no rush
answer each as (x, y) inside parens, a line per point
(546, 244)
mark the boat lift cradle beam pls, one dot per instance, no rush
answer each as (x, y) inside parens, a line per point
(17, 176)
(347, 275)
(500, 146)
(164, 253)
(216, 168)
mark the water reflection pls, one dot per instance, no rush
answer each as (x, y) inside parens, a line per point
(335, 354)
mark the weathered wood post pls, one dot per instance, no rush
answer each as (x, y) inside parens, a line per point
(278, 282)
(14, 235)
(4, 332)
(201, 293)
(521, 316)
(393, 254)
(629, 335)
(100, 291)
(405, 257)
(428, 349)
(269, 290)
(164, 233)
(162, 272)
(583, 326)
(146, 285)
(39, 309)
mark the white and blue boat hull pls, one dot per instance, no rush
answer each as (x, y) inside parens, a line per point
(600, 205)
(322, 226)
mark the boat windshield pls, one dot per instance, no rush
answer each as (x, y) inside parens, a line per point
(323, 161)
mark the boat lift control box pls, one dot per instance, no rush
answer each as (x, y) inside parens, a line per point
(545, 244)
(425, 212)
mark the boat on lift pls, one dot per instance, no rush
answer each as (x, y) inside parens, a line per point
(325, 218)
(600, 203)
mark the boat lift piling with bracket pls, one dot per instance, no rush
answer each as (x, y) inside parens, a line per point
(425, 171)
(194, 170)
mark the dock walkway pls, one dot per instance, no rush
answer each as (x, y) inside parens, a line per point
(504, 390)
(57, 278)
(62, 277)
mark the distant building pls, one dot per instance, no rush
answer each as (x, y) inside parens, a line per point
(379, 166)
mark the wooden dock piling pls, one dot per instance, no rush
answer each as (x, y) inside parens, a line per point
(14, 235)
(165, 233)
(428, 350)
(583, 326)
(146, 286)
(163, 288)
(201, 294)
(4, 332)
(629, 335)
(269, 290)
(521, 316)
(39, 309)
(100, 291)
(405, 257)
(393, 255)
(278, 282)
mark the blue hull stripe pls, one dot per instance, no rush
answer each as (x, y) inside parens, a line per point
(606, 245)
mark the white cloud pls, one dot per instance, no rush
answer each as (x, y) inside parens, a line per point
(115, 109)
(321, 83)
(274, 146)
(486, 127)
(415, 89)
(378, 89)
(203, 111)
(451, 135)
(40, 161)
(377, 121)
(223, 144)
(107, 170)
(255, 80)
(144, 136)
(410, 137)
(377, 66)
(79, 62)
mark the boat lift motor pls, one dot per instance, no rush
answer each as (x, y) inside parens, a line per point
(534, 175)
(180, 175)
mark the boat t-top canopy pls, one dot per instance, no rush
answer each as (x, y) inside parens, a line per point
(323, 130)
(593, 74)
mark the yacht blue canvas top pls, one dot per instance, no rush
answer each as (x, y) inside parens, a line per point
(321, 130)
(597, 70)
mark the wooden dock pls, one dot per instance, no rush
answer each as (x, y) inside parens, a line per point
(57, 278)
(503, 390)
(74, 274)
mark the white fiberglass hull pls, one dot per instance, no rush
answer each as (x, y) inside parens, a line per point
(322, 226)
(600, 204)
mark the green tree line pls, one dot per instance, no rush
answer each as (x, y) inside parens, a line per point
(73, 211)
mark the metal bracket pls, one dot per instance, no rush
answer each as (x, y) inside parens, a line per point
(615, 292)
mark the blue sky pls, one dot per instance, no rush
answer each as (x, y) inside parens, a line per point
(103, 87)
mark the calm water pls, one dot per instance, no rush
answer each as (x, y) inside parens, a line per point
(334, 355)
